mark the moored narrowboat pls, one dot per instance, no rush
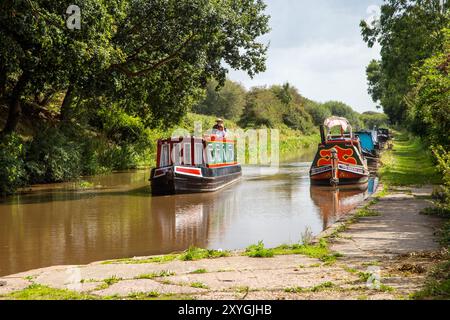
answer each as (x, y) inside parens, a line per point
(191, 165)
(383, 136)
(368, 145)
(339, 159)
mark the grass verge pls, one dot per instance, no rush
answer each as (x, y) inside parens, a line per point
(40, 292)
(191, 254)
(408, 163)
(320, 251)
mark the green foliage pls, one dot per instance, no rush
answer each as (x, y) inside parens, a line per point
(199, 271)
(340, 109)
(275, 107)
(441, 196)
(199, 285)
(112, 280)
(12, 166)
(374, 119)
(158, 259)
(443, 158)
(226, 102)
(375, 80)
(437, 285)
(323, 286)
(40, 292)
(298, 119)
(161, 274)
(262, 109)
(320, 287)
(152, 58)
(144, 295)
(194, 253)
(65, 152)
(408, 32)
(445, 234)
(319, 251)
(429, 99)
(400, 166)
(53, 157)
(318, 112)
(259, 251)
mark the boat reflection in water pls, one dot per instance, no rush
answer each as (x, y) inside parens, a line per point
(334, 203)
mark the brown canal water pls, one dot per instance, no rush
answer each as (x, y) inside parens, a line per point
(118, 218)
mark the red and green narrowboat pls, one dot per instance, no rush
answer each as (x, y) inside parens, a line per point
(191, 165)
(339, 159)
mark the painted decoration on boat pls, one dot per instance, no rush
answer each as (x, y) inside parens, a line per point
(339, 159)
(344, 156)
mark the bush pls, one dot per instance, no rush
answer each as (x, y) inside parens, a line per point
(12, 166)
(298, 119)
(318, 112)
(227, 102)
(443, 196)
(259, 251)
(262, 109)
(340, 109)
(52, 156)
(374, 119)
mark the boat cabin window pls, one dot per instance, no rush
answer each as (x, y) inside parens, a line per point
(230, 153)
(198, 152)
(210, 153)
(176, 154)
(164, 157)
(187, 159)
(219, 153)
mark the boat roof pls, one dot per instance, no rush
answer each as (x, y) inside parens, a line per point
(337, 121)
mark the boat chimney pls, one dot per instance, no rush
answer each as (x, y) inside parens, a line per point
(322, 134)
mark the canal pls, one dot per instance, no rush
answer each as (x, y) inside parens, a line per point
(117, 218)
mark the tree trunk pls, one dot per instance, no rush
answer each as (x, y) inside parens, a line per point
(66, 104)
(15, 108)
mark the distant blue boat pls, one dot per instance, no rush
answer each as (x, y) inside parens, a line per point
(368, 144)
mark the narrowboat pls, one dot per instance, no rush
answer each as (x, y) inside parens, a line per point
(383, 136)
(339, 159)
(192, 165)
(368, 145)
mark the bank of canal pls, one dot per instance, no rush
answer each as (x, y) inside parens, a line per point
(383, 249)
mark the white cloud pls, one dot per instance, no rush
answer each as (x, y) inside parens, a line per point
(322, 54)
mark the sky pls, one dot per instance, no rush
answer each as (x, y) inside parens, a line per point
(316, 46)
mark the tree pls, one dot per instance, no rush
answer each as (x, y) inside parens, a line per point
(429, 99)
(408, 32)
(375, 80)
(374, 119)
(40, 54)
(262, 108)
(226, 102)
(340, 109)
(276, 106)
(294, 114)
(318, 112)
(151, 57)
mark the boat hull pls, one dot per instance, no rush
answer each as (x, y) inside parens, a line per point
(347, 175)
(345, 178)
(182, 180)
